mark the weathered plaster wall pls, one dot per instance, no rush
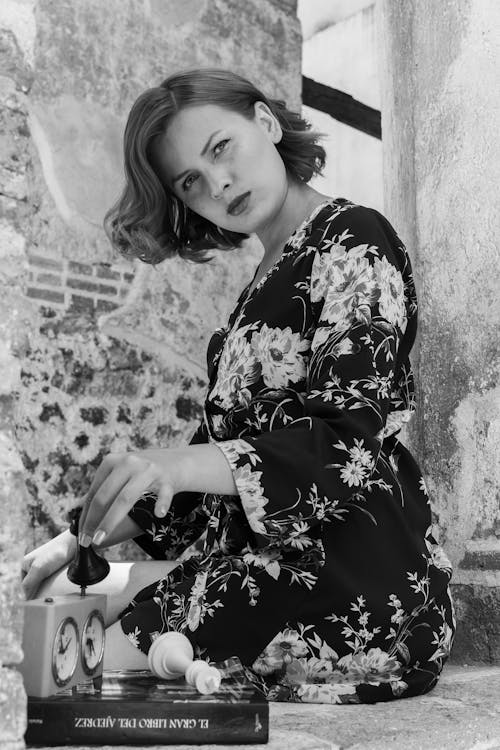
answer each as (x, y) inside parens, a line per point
(440, 119)
(15, 82)
(98, 353)
(89, 62)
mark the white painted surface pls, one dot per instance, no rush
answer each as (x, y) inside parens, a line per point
(344, 55)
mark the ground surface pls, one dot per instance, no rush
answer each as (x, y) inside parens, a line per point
(461, 713)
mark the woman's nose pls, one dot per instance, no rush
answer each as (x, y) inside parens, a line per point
(218, 185)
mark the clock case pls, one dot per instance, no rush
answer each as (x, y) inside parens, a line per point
(42, 618)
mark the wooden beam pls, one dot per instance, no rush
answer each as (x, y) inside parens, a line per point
(341, 107)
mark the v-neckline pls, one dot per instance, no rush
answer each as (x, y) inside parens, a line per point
(237, 312)
(249, 294)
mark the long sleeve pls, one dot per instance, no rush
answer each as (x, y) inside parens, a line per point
(322, 463)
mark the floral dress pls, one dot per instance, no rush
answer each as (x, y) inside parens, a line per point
(322, 575)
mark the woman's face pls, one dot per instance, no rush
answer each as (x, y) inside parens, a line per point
(209, 156)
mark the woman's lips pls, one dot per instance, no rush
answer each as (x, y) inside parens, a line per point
(239, 204)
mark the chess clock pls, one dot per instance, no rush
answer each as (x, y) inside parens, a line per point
(63, 642)
(63, 636)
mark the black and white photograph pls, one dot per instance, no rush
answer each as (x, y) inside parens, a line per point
(250, 368)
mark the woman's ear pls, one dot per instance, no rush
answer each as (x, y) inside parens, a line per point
(265, 118)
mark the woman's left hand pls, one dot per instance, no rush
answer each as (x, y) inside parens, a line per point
(120, 481)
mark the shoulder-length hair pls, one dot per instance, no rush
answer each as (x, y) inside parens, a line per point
(149, 221)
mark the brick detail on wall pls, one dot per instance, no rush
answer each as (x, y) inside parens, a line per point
(86, 288)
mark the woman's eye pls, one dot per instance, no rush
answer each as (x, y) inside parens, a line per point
(221, 143)
(217, 149)
(187, 184)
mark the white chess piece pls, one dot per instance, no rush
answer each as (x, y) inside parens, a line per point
(171, 656)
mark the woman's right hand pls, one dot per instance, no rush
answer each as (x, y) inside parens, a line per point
(41, 562)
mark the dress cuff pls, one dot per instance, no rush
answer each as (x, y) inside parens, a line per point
(244, 461)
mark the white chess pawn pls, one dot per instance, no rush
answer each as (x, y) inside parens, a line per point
(171, 656)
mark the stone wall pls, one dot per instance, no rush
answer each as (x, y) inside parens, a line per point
(99, 353)
(440, 121)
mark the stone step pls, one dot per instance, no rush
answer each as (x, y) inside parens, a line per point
(461, 713)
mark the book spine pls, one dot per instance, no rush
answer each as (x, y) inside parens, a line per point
(138, 723)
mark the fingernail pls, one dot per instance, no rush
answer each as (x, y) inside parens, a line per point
(98, 536)
(84, 540)
(162, 511)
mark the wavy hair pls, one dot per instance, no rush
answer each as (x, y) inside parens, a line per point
(149, 221)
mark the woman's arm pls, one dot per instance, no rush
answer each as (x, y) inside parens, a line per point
(123, 478)
(200, 468)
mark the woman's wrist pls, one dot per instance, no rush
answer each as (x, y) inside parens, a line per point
(67, 542)
(203, 467)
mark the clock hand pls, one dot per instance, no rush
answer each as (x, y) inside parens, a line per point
(64, 648)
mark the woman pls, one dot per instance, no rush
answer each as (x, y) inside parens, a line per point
(298, 526)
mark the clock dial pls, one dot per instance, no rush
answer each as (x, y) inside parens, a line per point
(65, 651)
(93, 641)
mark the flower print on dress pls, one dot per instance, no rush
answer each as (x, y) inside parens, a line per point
(218, 425)
(443, 640)
(133, 636)
(337, 346)
(324, 264)
(301, 234)
(196, 598)
(313, 669)
(399, 613)
(238, 370)
(279, 352)
(284, 647)
(437, 554)
(347, 285)
(266, 558)
(395, 420)
(391, 300)
(297, 536)
(328, 693)
(358, 471)
(298, 238)
(422, 486)
(361, 455)
(371, 667)
(253, 500)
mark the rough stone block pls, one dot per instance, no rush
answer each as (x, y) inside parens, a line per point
(13, 63)
(13, 184)
(478, 630)
(13, 501)
(49, 295)
(45, 262)
(104, 272)
(82, 268)
(89, 286)
(12, 708)
(12, 243)
(80, 304)
(105, 305)
(49, 278)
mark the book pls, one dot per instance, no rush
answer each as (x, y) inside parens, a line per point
(134, 707)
